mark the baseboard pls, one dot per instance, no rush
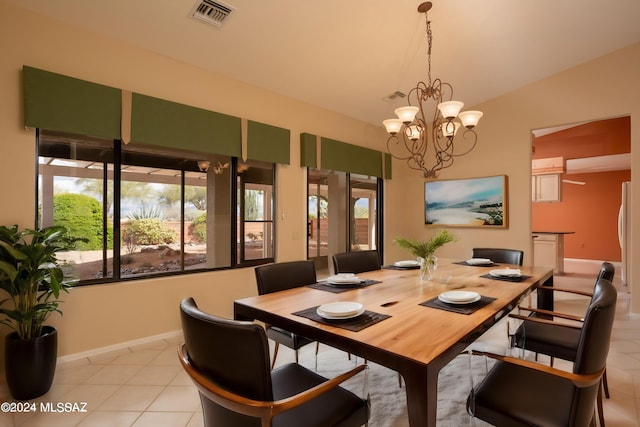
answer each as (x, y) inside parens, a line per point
(586, 266)
(70, 358)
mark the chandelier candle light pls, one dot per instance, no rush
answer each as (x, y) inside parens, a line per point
(412, 131)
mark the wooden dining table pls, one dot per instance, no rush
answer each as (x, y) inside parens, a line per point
(415, 340)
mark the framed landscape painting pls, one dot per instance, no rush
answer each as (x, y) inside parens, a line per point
(473, 202)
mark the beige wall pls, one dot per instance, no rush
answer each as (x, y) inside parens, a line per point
(104, 315)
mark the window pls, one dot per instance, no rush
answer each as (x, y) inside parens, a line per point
(362, 212)
(147, 211)
(342, 214)
(255, 219)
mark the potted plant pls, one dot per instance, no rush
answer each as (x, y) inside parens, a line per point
(31, 275)
(425, 250)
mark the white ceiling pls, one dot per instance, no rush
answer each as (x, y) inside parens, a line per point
(346, 55)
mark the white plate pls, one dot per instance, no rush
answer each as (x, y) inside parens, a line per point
(460, 296)
(448, 301)
(344, 278)
(407, 263)
(343, 281)
(469, 298)
(479, 261)
(341, 309)
(328, 316)
(506, 272)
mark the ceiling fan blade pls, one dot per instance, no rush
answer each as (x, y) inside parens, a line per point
(569, 181)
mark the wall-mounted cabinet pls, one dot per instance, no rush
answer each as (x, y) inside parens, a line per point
(546, 187)
(546, 179)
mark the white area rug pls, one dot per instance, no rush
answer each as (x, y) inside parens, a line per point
(388, 399)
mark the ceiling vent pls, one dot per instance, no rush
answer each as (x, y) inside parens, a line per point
(211, 12)
(395, 95)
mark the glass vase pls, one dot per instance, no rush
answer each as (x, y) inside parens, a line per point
(428, 267)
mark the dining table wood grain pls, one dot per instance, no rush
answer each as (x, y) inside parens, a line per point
(416, 341)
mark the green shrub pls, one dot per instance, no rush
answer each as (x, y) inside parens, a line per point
(82, 216)
(198, 228)
(148, 231)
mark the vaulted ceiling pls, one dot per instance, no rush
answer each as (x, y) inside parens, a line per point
(347, 55)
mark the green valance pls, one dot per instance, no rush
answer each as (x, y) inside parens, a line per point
(268, 143)
(308, 152)
(61, 103)
(388, 171)
(340, 156)
(164, 123)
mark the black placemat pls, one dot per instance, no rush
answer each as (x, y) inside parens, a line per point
(355, 324)
(395, 267)
(458, 308)
(493, 264)
(506, 278)
(324, 286)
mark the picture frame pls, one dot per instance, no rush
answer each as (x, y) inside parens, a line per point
(471, 202)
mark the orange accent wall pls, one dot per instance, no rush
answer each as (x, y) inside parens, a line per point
(599, 138)
(590, 210)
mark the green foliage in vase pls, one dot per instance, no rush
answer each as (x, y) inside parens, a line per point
(424, 249)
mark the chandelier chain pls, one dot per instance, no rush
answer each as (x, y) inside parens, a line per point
(429, 43)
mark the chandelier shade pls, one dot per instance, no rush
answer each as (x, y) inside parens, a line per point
(420, 137)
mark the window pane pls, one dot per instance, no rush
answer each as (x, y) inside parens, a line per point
(255, 203)
(75, 189)
(195, 225)
(164, 222)
(363, 212)
(318, 214)
(150, 220)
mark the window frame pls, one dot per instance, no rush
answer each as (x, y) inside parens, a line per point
(236, 214)
(379, 222)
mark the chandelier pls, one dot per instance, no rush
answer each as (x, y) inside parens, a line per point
(413, 137)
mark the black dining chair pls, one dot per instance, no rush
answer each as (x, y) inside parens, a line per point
(279, 277)
(499, 255)
(356, 262)
(519, 392)
(539, 334)
(228, 361)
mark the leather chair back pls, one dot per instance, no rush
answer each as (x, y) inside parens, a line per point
(233, 354)
(507, 256)
(285, 275)
(607, 271)
(596, 331)
(593, 347)
(356, 262)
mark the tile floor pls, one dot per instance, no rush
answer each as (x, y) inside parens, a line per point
(145, 386)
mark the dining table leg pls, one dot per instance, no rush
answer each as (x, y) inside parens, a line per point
(422, 395)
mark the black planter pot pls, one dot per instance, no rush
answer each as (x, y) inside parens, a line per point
(31, 364)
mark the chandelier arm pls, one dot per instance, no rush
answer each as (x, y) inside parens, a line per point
(413, 148)
(396, 141)
(442, 89)
(473, 144)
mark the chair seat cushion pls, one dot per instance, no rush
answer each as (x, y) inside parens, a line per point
(337, 407)
(287, 338)
(520, 402)
(553, 340)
